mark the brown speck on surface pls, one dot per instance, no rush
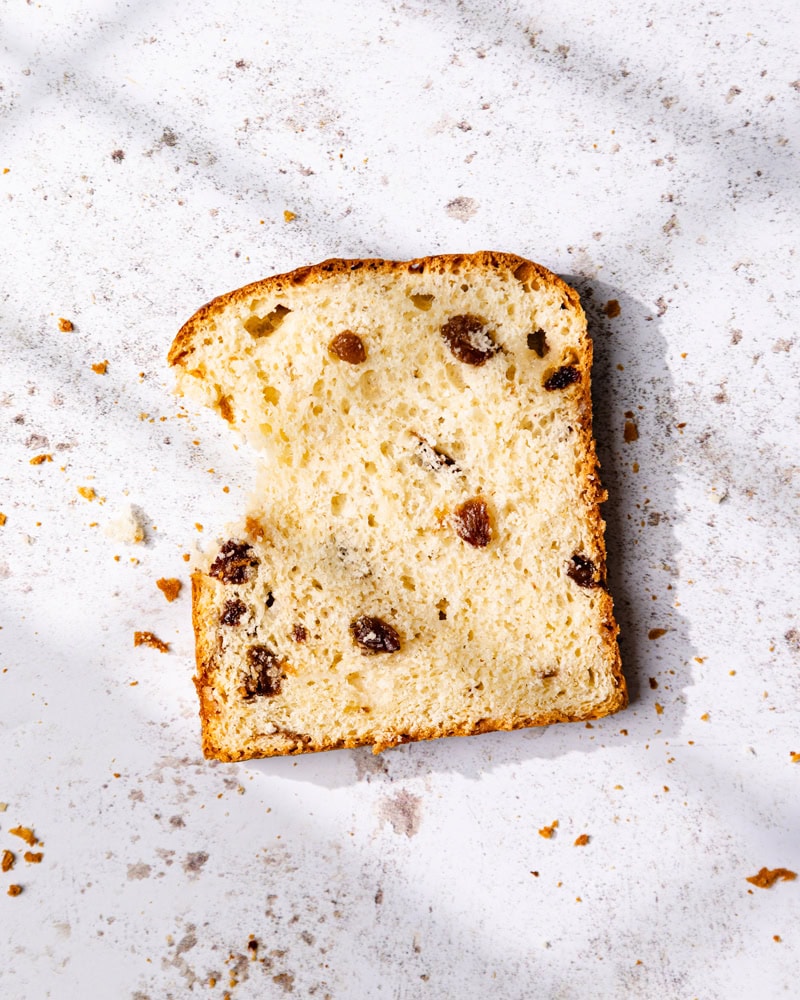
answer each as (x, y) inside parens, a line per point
(40, 459)
(656, 633)
(659, 709)
(139, 871)
(14, 890)
(582, 840)
(612, 308)
(149, 639)
(653, 683)
(170, 587)
(548, 831)
(87, 492)
(7, 861)
(25, 832)
(285, 980)
(403, 812)
(767, 877)
(194, 862)
(100, 368)
(461, 208)
(289, 216)
(631, 432)
(65, 325)
(776, 937)
(118, 155)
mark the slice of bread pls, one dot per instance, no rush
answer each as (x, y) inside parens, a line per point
(424, 555)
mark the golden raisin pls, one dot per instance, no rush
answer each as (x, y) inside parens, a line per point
(472, 523)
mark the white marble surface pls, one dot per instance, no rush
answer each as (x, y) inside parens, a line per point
(646, 151)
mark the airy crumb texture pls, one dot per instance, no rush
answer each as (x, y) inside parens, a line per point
(25, 833)
(767, 877)
(149, 639)
(126, 526)
(425, 555)
(169, 587)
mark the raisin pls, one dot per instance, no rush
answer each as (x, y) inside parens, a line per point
(468, 339)
(562, 377)
(584, 572)
(264, 677)
(233, 563)
(232, 612)
(472, 523)
(374, 635)
(538, 342)
(349, 347)
(299, 633)
(270, 599)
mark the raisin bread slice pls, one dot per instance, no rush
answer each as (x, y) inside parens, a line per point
(424, 556)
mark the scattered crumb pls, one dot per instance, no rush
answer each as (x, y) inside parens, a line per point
(289, 216)
(776, 937)
(148, 639)
(126, 527)
(659, 709)
(612, 308)
(25, 833)
(704, 717)
(3, 805)
(795, 757)
(14, 890)
(582, 841)
(87, 492)
(169, 587)
(100, 368)
(656, 633)
(2, 519)
(65, 325)
(186, 557)
(7, 861)
(699, 659)
(631, 432)
(768, 877)
(39, 459)
(548, 831)
(198, 526)
(653, 683)
(33, 858)
(535, 874)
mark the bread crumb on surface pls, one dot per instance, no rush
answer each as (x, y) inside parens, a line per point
(612, 308)
(704, 717)
(548, 831)
(2, 519)
(40, 459)
(659, 709)
(65, 325)
(87, 492)
(767, 877)
(656, 633)
(126, 527)
(25, 833)
(7, 861)
(100, 368)
(149, 639)
(33, 857)
(795, 756)
(289, 216)
(777, 937)
(169, 587)
(582, 840)
(14, 890)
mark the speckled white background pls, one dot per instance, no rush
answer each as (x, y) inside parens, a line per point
(645, 151)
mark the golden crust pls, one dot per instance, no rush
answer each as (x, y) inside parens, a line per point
(290, 743)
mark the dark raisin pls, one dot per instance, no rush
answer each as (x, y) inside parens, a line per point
(472, 522)
(538, 342)
(233, 563)
(349, 347)
(299, 633)
(374, 635)
(252, 944)
(468, 339)
(562, 377)
(584, 572)
(270, 599)
(232, 612)
(264, 673)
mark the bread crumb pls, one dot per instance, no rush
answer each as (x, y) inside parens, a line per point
(186, 557)
(39, 459)
(656, 633)
(65, 325)
(25, 833)
(767, 877)
(14, 890)
(198, 526)
(289, 216)
(100, 368)
(7, 861)
(548, 831)
(126, 527)
(3, 805)
(704, 717)
(148, 639)
(33, 858)
(659, 709)
(795, 757)
(2, 519)
(612, 308)
(87, 492)
(581, 841)
(169, 587)
(776, 937)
